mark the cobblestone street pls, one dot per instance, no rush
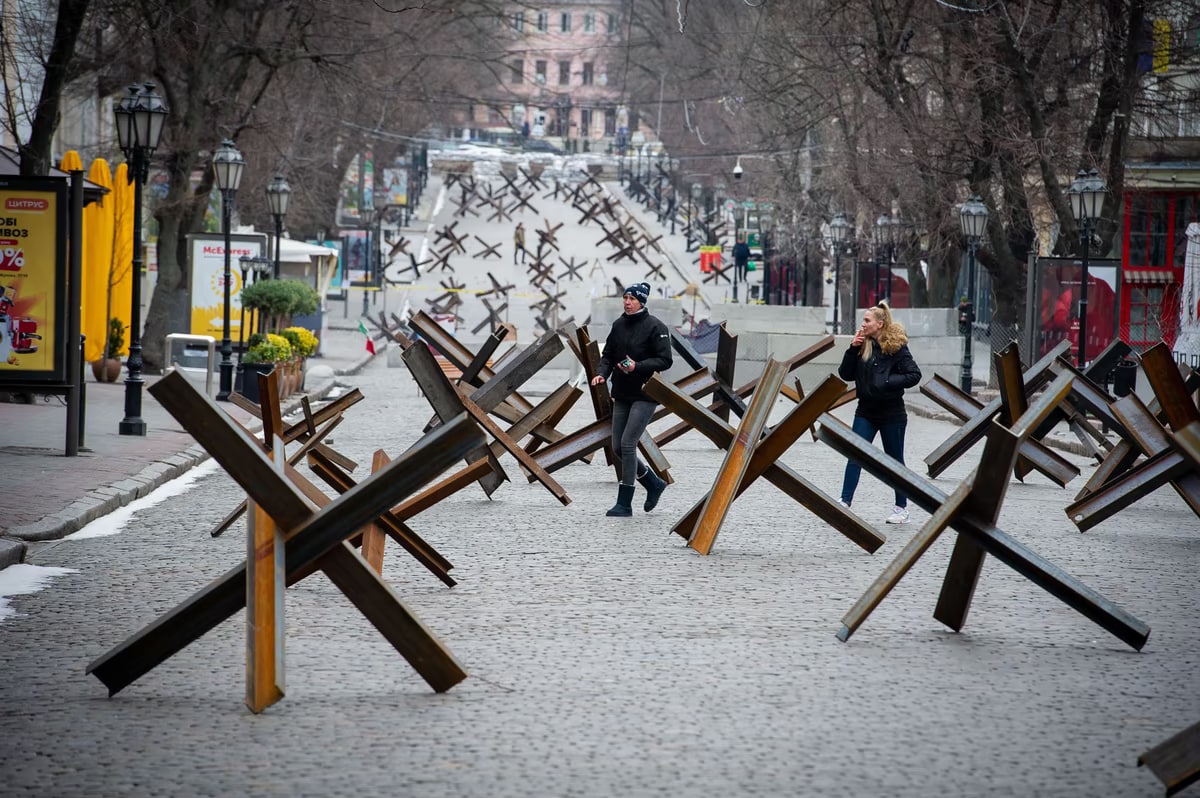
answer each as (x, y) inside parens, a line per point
(606, 658)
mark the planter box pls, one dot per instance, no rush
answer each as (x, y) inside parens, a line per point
(247, 379)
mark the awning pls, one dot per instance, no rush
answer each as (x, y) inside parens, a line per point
(1148, 276)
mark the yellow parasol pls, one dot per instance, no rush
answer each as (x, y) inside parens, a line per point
(97, 260)
(121, 286)
(71, 162)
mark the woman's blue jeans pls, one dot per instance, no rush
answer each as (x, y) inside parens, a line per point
(892, 437)
(629, 421)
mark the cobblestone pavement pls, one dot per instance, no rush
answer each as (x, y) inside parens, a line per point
(606, 658)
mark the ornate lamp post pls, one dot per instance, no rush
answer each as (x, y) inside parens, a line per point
(883, 231)
(973, 217)
(228, 164)
(1087, 200)
(693, 211)
(839, 228)
(279, 197)
(140, 116)
(368, 216)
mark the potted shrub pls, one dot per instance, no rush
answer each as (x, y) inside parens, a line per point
(276, 301)
(108, 368)
(263, 353)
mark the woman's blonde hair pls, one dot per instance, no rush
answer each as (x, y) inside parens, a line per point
(891, 334)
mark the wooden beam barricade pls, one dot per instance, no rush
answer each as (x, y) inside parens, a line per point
(729, 397)
(767, 453)
(266, 578)
(312, 537)
(982, 489)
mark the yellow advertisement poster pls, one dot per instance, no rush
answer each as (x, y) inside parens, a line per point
(208, 281)
(32, 275)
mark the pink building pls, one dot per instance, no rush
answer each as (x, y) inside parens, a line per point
(560, 75)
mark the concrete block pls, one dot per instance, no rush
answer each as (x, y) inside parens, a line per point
(770, 319)
(12, 552)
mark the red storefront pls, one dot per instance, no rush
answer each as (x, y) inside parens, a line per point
(1154, 224)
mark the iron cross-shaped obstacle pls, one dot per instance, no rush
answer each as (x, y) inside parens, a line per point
(307, 540)
(753, 451)
(1126, 480)
(972, 510)
(488, 249)
(573, 267)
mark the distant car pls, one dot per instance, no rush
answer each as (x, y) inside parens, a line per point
(541, 145)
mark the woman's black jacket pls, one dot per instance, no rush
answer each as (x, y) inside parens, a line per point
(880, 381)
(643, 339)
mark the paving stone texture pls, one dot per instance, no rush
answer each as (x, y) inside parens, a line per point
(606, 658)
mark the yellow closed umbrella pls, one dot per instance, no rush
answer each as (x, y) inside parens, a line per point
(71, 162)
(98, 224)
(120, 282)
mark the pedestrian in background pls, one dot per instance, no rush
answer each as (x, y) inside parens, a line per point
(882, 368)
(638, 346)
(741, 258)
(519, 242)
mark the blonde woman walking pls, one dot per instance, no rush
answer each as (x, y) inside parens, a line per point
(882, 368)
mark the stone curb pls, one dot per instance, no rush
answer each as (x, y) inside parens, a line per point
(113, 496)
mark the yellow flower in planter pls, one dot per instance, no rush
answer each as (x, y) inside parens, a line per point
(303, 342)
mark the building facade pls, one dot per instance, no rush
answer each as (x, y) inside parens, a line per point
(560, 78)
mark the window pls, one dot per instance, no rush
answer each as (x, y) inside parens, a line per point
(585, 123)
(610, 122)
(564, 73)
(1148, 218)
(589, 23)
(564, 22)
(518, 21)
(543, 21)
(612, 23)
(1145, 313)
(588, 75)
(633, 121)
(518, 70)
(539, 69)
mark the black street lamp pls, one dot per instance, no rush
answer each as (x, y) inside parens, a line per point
(973, 216)
(1087, 200)
(140, 116)
(368, 219)
(279, 197)
(227, 164)
(693, 212)
(839, 229)
(883, 231)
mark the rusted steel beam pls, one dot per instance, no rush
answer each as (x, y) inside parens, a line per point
(586, 440)
(1176, 760)
(683, 347)
(994, 541)
(765, 463)
(1169, 388)
(970, 433)
(737, 459)
(310, 535)
(393, 526)
(447, 404)
(380, 605)
(435, 493)
(726, 366)
(513, 448)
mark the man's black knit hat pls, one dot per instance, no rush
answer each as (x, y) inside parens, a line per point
(639, 291)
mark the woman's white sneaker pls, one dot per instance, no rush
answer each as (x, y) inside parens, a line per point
(899, 515)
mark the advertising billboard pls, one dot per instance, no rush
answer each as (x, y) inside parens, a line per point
(33, 280)
(206, 254)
